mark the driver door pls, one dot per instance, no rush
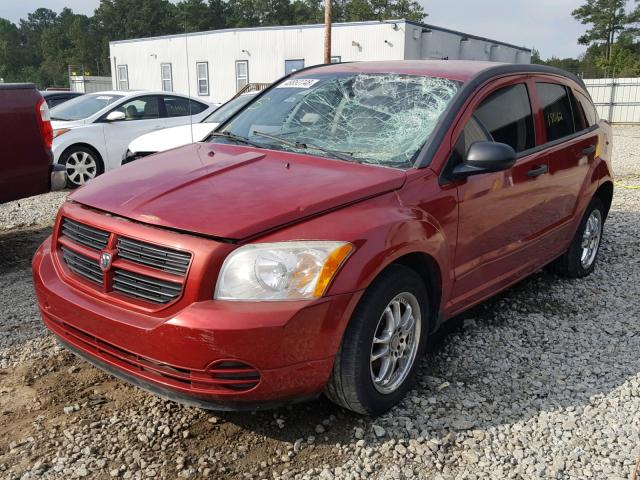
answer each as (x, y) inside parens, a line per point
(502, 215)
(142, 115)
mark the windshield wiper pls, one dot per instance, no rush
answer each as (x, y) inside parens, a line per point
(347, 156)
(60, 119)
(235, 138)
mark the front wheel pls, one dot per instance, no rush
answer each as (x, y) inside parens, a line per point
(82, 164)
(377, 360)
(580, 259)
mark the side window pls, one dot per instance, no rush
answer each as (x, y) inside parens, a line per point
(141, 108)
(590, 113)
(576, 112)
(242, 74)
(123, 77)
(472, 132)
(556, 109)
(506, 115)
(166, 77)
(202, 72)
(179, 107)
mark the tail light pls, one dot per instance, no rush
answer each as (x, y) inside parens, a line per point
(44, 123)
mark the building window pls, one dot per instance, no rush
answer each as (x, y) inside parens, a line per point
(123, 77)
(336, 59)
(166, 77)
(202, 71)
(242, 74)
(291, 66)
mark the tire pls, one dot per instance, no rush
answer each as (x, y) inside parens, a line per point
(353, 382)
(82, 164)
(579, 260)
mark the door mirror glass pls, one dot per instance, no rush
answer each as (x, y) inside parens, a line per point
(115, 116)
(486, 157)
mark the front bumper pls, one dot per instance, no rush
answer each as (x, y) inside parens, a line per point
(291, 345)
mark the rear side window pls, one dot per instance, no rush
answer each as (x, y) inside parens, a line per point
(590, 113)
(556, 108)
(179, 107)
(506, 115)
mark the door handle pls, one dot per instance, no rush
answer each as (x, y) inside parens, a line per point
(537, 171)
(589, 150)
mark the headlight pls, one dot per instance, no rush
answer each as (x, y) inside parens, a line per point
(60, 131)
(280, 271)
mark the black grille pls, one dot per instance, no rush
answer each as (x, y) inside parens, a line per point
(90, 237)
(144, 287)
(83, 266)
(165, 259)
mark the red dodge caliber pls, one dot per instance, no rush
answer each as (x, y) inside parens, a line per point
(322, 233)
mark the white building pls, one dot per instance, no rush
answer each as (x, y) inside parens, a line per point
(216, 64)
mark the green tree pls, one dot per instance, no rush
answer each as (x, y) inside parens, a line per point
(9, 50)
(606, 18)
(124, 19)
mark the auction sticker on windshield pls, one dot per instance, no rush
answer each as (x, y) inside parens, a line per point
(298, 83)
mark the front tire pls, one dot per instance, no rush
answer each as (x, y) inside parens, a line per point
(580, 259)
(377, 360)
(82, 164)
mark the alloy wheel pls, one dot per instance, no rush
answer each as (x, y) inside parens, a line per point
(395, 343)
(81, 167)
(591, 239)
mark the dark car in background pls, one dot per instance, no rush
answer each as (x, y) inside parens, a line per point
(25, 144)
(56, 97)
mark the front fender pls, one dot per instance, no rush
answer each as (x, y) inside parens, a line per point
(383, 230)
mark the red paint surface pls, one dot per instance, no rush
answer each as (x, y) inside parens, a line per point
(480, 235)
(26, 160)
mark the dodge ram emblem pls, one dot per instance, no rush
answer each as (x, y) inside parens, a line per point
(105, 261)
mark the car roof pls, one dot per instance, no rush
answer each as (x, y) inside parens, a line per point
(461, 70)
(48, 93)
(131, 93)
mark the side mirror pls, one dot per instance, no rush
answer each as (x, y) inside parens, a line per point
(486, 157)
(115, 116)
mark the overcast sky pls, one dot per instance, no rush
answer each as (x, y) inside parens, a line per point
(544, 24)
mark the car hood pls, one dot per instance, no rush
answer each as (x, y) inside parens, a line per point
(167, 138)
(230, 191)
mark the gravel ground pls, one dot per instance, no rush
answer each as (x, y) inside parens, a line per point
(542, 381)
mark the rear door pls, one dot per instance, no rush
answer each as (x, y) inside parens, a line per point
(570, 144)
(503, 216)
(179, 109)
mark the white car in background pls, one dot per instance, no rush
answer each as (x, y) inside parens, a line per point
(168, 138)
(92, 132)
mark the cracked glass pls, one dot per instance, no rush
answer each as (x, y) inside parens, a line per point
(374, 118)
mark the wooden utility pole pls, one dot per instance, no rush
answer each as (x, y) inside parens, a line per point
(327, 31)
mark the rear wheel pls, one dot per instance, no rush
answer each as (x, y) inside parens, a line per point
(580, 259)
(82, 164)
(377, 360)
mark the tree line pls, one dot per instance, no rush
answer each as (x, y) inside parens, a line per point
(40, 48)
(611, 38)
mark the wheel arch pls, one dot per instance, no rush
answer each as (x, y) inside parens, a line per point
(605, 194)
(428, 269)
(100, 158)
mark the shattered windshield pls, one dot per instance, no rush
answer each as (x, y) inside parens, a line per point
(376, 118)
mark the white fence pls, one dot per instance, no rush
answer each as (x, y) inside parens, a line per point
(617, 99)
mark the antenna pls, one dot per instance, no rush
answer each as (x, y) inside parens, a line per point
(186, 48)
